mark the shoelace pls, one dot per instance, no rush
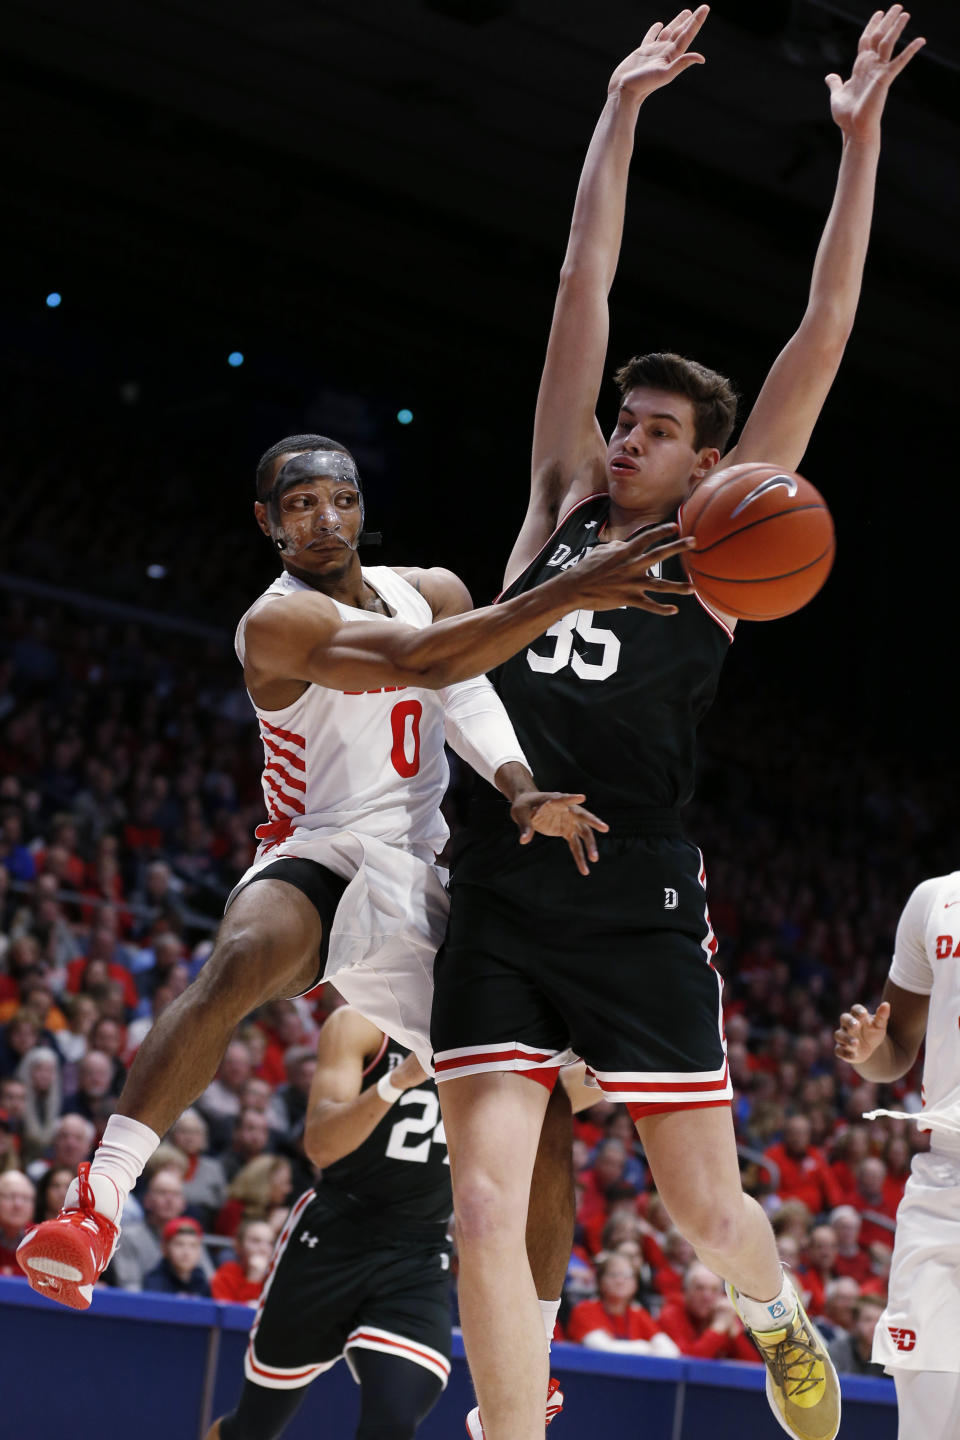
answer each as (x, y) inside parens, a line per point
(805, 1355)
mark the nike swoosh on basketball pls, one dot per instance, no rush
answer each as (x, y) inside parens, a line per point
(771, 483)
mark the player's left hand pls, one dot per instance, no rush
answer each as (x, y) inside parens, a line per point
(857, 104)
(551, 812)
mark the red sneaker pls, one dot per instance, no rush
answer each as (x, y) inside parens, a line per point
(554, 1406)
(62, 1258)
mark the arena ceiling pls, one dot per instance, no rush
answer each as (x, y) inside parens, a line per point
(392, 182)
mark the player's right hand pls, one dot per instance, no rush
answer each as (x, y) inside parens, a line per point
(660, 57)
(619, 573)
(860, 1032)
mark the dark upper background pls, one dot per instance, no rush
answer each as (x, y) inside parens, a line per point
(370, 201)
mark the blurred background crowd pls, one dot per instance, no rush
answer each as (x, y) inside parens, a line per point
(128, 801)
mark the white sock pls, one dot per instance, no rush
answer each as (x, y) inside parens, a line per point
(549, 1309)
(120, 1157)
(768, 1314)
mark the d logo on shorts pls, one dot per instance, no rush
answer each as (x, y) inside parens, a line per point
(903, 1339)
(670, 898)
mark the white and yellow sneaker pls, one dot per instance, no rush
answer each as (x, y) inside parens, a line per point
(802, 1386)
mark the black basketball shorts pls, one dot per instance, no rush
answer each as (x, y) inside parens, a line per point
(342, 1281)
(615, 967)
(322, 888)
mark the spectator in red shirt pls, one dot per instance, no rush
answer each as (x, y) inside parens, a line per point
(818, 1271)
(102, 947)
(871, 1195)
(598, 1182)
(897, 1157)
(676, 1257)
(241, 1280)
(703, 1322)
(848, 1150)
(17, 1198)
(851, 1260)
(613, 1321)
(804, 1173)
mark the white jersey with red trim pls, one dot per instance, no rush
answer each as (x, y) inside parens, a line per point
(926, 961)
(371, 762)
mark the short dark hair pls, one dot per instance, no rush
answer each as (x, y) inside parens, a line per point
(713, 397)
(292, 445)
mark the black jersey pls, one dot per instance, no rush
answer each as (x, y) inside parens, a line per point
(401, 1171)
(608, 702)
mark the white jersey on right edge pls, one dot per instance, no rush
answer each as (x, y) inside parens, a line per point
(919, 1331)
(926, 961)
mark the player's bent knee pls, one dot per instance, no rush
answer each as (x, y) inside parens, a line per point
(487, 1211)
(246, 968)
(718, 1230)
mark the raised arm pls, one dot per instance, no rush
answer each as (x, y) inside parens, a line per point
(302, 638)
(782, 420)
(567, 444)
(340, 1113)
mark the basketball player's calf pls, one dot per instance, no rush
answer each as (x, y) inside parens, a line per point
(267, 946)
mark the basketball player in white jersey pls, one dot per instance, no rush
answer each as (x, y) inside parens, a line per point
(357, 676)
(917, 1338)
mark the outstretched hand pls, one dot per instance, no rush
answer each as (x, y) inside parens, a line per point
(628, 572)
(661, 57)
(860, 1032)
(857, 104)
(551, 812)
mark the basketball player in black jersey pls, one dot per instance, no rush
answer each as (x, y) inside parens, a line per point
(362, 1267)
(619, 967)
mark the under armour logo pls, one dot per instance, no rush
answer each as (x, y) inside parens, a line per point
(590, 525)
(903, 1339)
(670, 898)
(771, 483)
(307, 1239)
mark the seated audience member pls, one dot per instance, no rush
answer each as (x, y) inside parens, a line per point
(13, 1103)
(9, 1145)
(51, 1189)
(141, 1243)
(792, 1218)
(257, 1094)
(251, 1139)
(109, 1037)
(93, 1097)
(40, 1072)
(17, 1196)
(204, 1183)
(896, 1154)
(676, 1257)
(241, 1280)
(37, 998)
(73, 1141)
(849, 1148)
(804, 1173)
(220, 1102)
(81, 1012)
(603, 1177)
(261, 1191)
(851, 1353)
(613, 1321)
(851, 1259)
(103, 950)
(703, 1322)
(818, 1271)
(839, 1298)
(20, 1035)
(872, 1195)
(138, 1029)
(300, 1061)
(878, 1281)
(180, 1271)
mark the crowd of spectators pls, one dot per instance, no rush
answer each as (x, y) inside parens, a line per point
(129, 794)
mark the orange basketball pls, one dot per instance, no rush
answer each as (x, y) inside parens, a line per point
(764, 541)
